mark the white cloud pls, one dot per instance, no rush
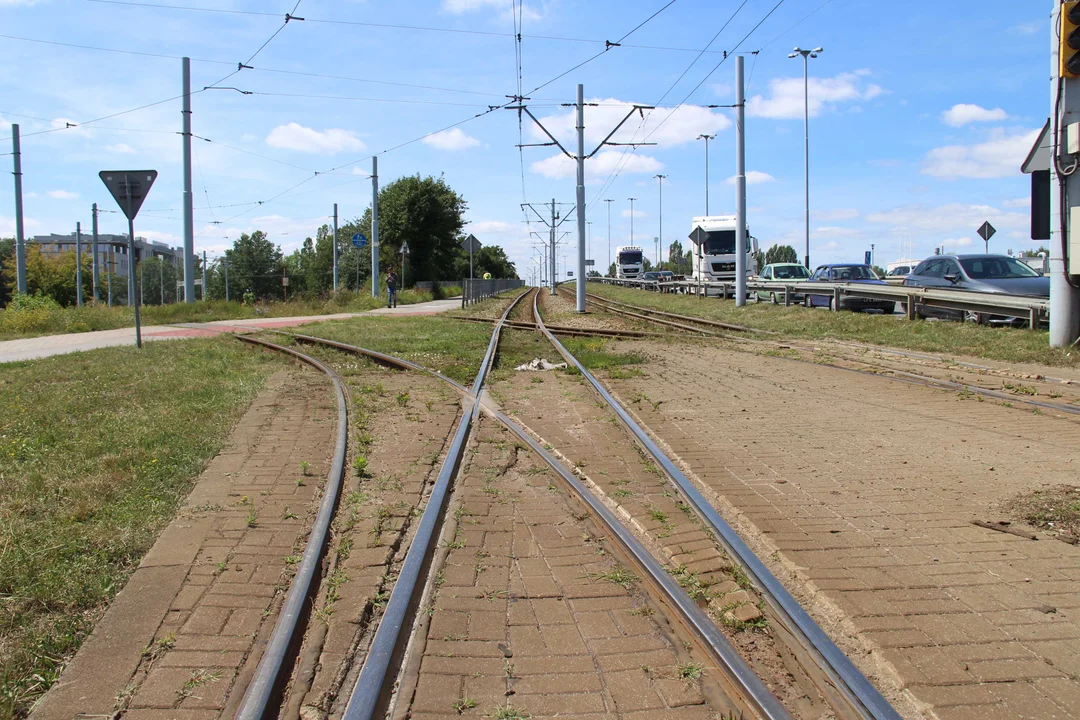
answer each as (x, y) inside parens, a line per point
(948, 218)
(503, 7)
(1028, 28)
(637, 213)
(120, 149)
(561, 167)
(297, 137)
(835, 214)
(786, 100)
(7, 226)
(964, 113)
(1000, 156)
(1017, 203)
(70, 126)
(665, 127)
(830, 231)
(453, 139)
(491, 226)
(957, 242)
(754, 177)
(62, 195)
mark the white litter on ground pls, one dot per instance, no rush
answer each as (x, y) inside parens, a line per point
(540, 364)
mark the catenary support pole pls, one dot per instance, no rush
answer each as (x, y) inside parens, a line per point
(740, 185)
(20, 239)
(95, 273)
(1064, 298)
(335, 249)
(78, 264)
(109, 270)
(374, 226)
(608, 201)
(581, 198)
(660, 238)
(225, 262)
(189, 221)
(204, 275)
(161, 278)
(554, 217)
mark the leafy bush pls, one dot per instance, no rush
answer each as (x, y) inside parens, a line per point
(32, 313)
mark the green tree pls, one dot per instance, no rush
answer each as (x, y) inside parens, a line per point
(7, 259)
(678, 260)
(781, 254)
(155, 273)
(53, 275)
(489, 259)
(255, 264)
(611, 270)
(430, 216)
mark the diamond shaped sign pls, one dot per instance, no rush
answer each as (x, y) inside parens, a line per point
(471, 244)
(129, 188)
(699, 236)
(986, 231)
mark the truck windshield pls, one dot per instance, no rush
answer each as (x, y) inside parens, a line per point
(630, 258)
(722, 242)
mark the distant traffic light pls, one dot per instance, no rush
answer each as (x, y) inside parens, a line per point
(1069, 50)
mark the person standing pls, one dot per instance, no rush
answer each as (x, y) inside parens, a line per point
(391, 287)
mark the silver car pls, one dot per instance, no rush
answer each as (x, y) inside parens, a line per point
(986, 273)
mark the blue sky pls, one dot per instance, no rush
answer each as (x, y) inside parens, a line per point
(921, 114)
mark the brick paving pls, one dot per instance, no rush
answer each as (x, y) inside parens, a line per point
(521, 620)
(195, 615)
(867, 488)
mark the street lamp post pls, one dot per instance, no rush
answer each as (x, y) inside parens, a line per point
(706, 138)
(660, 240)
(608, 201)
(806, 54)
(631, 219)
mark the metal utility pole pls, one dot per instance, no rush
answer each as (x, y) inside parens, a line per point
(589, 254)
(225, 262)
(551, 224)
(20, 240)
(580, 159)
(189, 221)
(661, 238)
(806, 54)
(706, 138)
(740, 185)
(203, 274)
(581, 198)
(608, 201)
(631, 219)
(94, 265)
(335, 249)
(374, 226)
(161, 278)
(78, 264)
(1064, 191)
(109, 268)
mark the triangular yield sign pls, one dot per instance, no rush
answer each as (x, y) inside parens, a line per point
(129, 188)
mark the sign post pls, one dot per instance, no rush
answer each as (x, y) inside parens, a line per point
(129, 188)
(358, 241)
(986, 231)
(698, 237)
(472, 245)
(404, 252)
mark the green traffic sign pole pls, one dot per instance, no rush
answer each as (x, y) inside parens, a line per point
(131, 267)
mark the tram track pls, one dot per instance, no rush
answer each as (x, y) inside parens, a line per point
(374, 687)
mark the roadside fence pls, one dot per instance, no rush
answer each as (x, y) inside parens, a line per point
(476, 289)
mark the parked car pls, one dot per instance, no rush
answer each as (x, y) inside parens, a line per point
(849, 273)
(897, 273)
(782, 272)
(666, 275)
(999, 274)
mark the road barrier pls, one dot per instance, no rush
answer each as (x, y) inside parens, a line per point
(475, 289)
(1034, 310)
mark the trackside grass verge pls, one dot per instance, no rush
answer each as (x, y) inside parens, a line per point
(102, 317)
(449, 346)
(97, 450)
(1005, 344)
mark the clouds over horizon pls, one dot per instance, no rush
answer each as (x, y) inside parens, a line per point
(999, 156)
(294, 136)
(453, 139)
(964, 114)
(786, 99)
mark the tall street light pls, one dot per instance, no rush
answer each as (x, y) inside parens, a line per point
(706, 138)
(608, 201)
(661, 238)
(631, 219)
(806, 54)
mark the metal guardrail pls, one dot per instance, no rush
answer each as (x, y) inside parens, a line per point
(474, 290)
(1032, 309)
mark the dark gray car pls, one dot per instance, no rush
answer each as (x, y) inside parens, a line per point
(998, 274)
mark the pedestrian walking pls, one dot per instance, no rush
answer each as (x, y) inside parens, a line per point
(391, 287)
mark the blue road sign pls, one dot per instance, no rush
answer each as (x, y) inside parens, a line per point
(867, 258)
(358, 240)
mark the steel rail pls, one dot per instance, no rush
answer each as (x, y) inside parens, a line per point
(372, 689)
(746, 681)
(564, 330)
(701, 321)
(275, 664)
(857, 690)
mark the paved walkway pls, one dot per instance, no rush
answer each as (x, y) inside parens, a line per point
(192, 621)
(45, 346)
(861, 493)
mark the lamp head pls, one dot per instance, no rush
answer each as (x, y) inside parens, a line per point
(817, 50)
(793, 55)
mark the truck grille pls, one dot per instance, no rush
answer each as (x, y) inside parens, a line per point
(723, 267)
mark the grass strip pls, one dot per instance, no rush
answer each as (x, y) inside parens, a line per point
(953, 338)
(97, 451)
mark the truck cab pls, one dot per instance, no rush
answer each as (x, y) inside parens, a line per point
(629, 262)
(714, 260)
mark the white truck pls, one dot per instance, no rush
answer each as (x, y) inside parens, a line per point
(629, 261)
(714, 260)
